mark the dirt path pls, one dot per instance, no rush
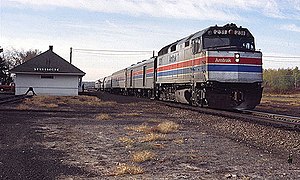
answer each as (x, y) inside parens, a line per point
(123, 138)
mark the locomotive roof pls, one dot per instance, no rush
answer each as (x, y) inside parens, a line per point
(164, 50)
(141, 63)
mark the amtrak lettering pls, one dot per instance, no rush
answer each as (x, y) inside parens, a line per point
(46, 69)
(223, 60)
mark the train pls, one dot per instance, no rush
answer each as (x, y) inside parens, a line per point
(217, 67)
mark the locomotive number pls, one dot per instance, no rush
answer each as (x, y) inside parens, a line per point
(173, 58)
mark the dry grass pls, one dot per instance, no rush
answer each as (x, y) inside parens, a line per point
(56, 101)
(126, 140)
(167, 127)
(286, 99)
(154, 120)
(178, 141)
(151, 132)
(142, 156)
(130, 114)
(141, 128)
(103, 116)
(23, 107)
(51, 105)
(164, 127)
(152, 137)
(40, 101)
(127, 169)
(157, 146)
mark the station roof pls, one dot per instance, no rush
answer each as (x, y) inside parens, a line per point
(47, 63)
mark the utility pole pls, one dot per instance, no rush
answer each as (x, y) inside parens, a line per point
(71, 55)
(296, 80)
(2, 78)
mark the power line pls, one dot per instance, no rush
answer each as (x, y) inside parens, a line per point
(113, 54)
(285, 57)
(110, 50)
(280, 61)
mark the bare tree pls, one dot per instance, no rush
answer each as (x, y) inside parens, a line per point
(3, 71)
(12, 58)
(16, 57)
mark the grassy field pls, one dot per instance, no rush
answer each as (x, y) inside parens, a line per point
(288, 104)
(284, 99)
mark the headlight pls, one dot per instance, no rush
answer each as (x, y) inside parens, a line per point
(237, 57)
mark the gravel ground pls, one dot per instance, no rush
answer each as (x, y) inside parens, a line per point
(91, 141)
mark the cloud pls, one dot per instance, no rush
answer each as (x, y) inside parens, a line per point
(189, 9)
(290, 27)
(271, 9)
(178, 9)
(295, 4)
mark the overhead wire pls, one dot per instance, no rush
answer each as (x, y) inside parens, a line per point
(113, 52)
(109, 50)
(285, 57)
(280, 61)
(288, 59)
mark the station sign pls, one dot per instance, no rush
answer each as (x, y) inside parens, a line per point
(46, 69)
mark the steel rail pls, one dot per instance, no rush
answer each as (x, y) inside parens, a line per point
(12, 99)
(277, 120)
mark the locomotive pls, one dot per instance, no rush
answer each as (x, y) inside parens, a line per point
(217, 67)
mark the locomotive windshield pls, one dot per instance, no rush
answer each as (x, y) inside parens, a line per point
(235, 42)
(231, 37)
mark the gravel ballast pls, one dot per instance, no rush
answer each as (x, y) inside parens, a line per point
(99, 141)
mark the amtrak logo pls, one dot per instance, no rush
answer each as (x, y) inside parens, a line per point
(222, 60)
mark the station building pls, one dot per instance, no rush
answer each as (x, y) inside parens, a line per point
(48, 74)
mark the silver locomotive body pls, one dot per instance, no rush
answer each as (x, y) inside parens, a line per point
(217, 67)
(140, 78)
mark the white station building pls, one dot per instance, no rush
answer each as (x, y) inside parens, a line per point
(48, 74)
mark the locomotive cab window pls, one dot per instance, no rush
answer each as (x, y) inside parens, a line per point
(187, 43)
(173, 48)
(248, 45)
(233, 42)
(196, 44)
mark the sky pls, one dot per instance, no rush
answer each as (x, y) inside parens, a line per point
(143, 25)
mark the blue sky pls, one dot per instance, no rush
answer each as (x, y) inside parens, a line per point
(144, 25)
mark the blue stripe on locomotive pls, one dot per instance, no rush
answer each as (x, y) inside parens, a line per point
(235, 68)
(222, 68)
(180, 71)
(141, 76)
(149, 75)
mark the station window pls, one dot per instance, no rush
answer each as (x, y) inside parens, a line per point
(47, 77)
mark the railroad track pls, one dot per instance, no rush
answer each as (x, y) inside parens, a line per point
(277, 120)
(13, 99)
